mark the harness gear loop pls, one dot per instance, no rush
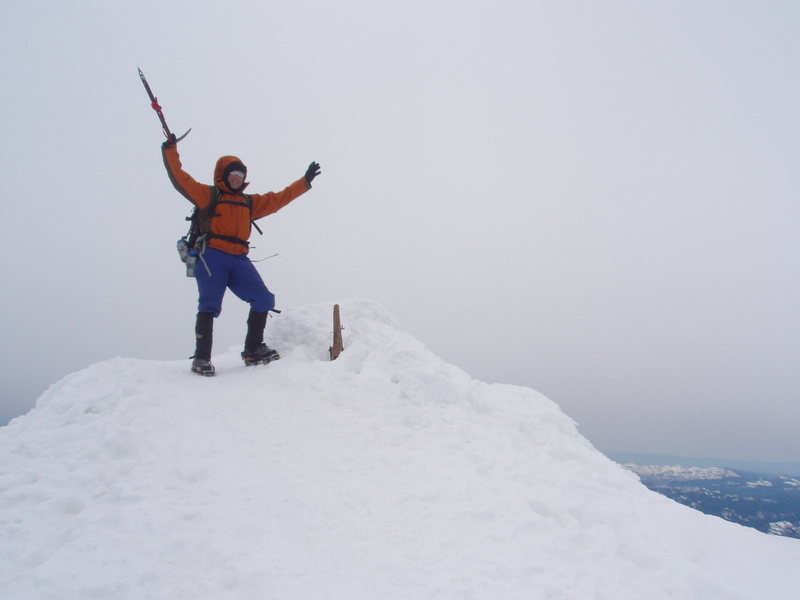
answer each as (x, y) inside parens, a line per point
(200, 247)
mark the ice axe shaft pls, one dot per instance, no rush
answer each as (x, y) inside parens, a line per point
(157, 107)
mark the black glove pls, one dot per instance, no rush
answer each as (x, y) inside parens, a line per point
(172, 140)
(313, 171)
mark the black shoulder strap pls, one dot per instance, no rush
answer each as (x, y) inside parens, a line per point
(209, 212)
(250, 206)
(202, 216)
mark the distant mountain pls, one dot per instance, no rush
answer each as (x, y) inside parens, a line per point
(769, 503)
(679, 473)
(751, 466)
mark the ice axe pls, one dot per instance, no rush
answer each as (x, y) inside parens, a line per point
(157, 108)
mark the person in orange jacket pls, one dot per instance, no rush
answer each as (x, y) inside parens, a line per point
(225, 239)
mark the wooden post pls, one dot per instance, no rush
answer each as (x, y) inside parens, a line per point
(338, 346)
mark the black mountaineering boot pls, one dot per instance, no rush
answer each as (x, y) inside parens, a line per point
(256, 352)
(203, 330)
(260, 355)
(201, 366)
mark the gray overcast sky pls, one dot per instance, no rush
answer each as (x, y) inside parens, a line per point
(598, 200)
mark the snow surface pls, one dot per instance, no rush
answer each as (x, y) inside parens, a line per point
(387, 474)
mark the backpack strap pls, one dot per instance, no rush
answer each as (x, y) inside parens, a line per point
(204, 216)
(250, 206)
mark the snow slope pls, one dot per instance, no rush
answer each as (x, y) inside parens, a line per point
(386, 474)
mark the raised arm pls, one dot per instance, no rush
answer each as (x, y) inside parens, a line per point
(197, 193)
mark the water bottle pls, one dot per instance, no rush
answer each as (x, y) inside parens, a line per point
(188, 256)
(191, 262)
(183, 249)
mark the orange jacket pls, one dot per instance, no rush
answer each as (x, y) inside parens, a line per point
(231, 220)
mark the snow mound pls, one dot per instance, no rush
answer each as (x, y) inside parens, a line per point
(386, 474)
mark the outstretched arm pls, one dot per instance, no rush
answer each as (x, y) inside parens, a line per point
(266, 204)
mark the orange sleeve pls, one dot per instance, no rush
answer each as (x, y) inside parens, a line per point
(266, 204)
(197, 193)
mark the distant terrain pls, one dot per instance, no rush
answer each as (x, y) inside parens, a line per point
(750, 466)
(764, 501)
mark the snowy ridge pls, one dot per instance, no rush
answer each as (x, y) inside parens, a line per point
(387, 474)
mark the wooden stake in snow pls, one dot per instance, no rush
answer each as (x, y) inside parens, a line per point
(338, 346)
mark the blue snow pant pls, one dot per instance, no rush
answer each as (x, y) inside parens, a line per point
(234, 271)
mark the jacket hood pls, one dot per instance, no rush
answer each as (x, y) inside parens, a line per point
(223, 163)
